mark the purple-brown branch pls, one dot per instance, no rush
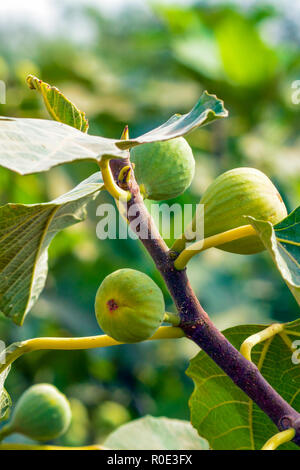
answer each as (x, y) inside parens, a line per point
(196, 323)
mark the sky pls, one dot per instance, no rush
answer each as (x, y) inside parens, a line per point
(45, 14)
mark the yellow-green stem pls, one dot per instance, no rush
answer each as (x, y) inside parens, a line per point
(87, 342)
(278, 439)
(179, 244)
(110, 185)
(210, 242)
(11, 446)
(172, 318)
(257, 338)
(124, 175)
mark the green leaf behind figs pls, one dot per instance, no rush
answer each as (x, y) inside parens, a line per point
(226, 416)
(25, 234)
(253, 62)
(283, 243)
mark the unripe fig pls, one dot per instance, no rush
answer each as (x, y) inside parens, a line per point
(42, 413)
(163, 170)
(235, 194)
(129, 306)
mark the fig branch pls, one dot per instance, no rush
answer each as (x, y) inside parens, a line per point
(196, 323)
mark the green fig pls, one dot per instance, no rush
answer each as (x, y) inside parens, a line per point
(42, 413)
(163, 170)
(129, 306)
(235, 194)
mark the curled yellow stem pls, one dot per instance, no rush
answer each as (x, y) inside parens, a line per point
(280, 438)
(210, 242)
(124, 175)
(110, 184)
(263, 335)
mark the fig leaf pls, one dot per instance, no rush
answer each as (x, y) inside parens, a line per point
(283, 243)
(60, 108)
(216, 399)
(26, 231)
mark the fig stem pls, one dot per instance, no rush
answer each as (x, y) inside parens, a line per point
(124, 175)
(257, 338)
(12, 446)
(110, 184)
(279, 438)
(173, 318)
(210, 242)
(86, 342)
(179, 244)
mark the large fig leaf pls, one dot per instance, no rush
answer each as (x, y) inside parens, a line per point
(222, 413)
(58, 105)
(25, 234)
(34, 145)
(155, 434)
(283, 243)
(207, 109)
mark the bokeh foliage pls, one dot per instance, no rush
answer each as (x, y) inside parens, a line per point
(139, 69)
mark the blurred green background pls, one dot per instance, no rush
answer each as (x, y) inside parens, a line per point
(138, 66)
